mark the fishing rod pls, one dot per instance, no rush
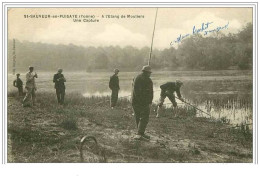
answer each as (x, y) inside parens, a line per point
(171, 103)
(151, 49)
(194, 107)
(150, 54)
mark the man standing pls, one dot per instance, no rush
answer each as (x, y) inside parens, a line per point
(167, 90)
(18, 83)
(30, 87)
(142, 96)
(59, 80)
(114, 86)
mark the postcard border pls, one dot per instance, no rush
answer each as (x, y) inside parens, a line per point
(6, 5)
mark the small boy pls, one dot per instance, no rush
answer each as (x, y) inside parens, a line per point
(18, 83)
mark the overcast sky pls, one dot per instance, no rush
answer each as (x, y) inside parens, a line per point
(171, 22)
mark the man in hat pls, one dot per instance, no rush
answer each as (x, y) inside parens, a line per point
(18, 83)
(114, 86)
(30, 87)
(167, 90)
(142, 97)
(59, 80)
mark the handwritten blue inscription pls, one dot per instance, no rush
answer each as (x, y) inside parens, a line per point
(204, 29)
(216, 29)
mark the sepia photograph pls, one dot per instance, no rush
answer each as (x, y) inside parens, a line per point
(154, 84)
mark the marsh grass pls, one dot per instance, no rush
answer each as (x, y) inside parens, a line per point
(57, 140)
(184, 111)
(12, 93)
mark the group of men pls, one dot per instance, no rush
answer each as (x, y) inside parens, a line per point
(142, 97)
(30, 86)
(142, 94)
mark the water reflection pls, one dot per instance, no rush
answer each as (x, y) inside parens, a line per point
(122, 94)
(233, 111)
(229, 109)
(222, 94)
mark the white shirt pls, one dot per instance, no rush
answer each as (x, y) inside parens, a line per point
(30, 80)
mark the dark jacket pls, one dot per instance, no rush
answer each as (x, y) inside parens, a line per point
(18, 83)
(59, 83)
(171, 87)
(142, 92)
(114, 82)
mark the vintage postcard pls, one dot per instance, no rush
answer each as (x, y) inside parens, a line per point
(124, 84)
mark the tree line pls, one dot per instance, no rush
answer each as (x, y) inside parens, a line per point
(217, 52)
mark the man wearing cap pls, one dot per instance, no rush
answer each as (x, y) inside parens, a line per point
(30, 87)
(114, 86)
(142, 97)
(167, 90)
(59, 80)
(18, 83)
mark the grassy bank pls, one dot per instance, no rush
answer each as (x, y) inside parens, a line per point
(52, 133)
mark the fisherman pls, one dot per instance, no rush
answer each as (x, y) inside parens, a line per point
(18, 83)
(167, 90)
(114, 86)
(30, 87)
(142, 96)
(59, 80)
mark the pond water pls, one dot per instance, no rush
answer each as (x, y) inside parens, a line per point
(224, 95)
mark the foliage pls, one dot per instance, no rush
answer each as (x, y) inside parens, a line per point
(216, 52)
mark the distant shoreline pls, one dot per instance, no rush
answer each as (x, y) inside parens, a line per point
(155, 70)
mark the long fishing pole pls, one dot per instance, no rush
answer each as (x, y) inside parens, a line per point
(151, 49)
(194, 107)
